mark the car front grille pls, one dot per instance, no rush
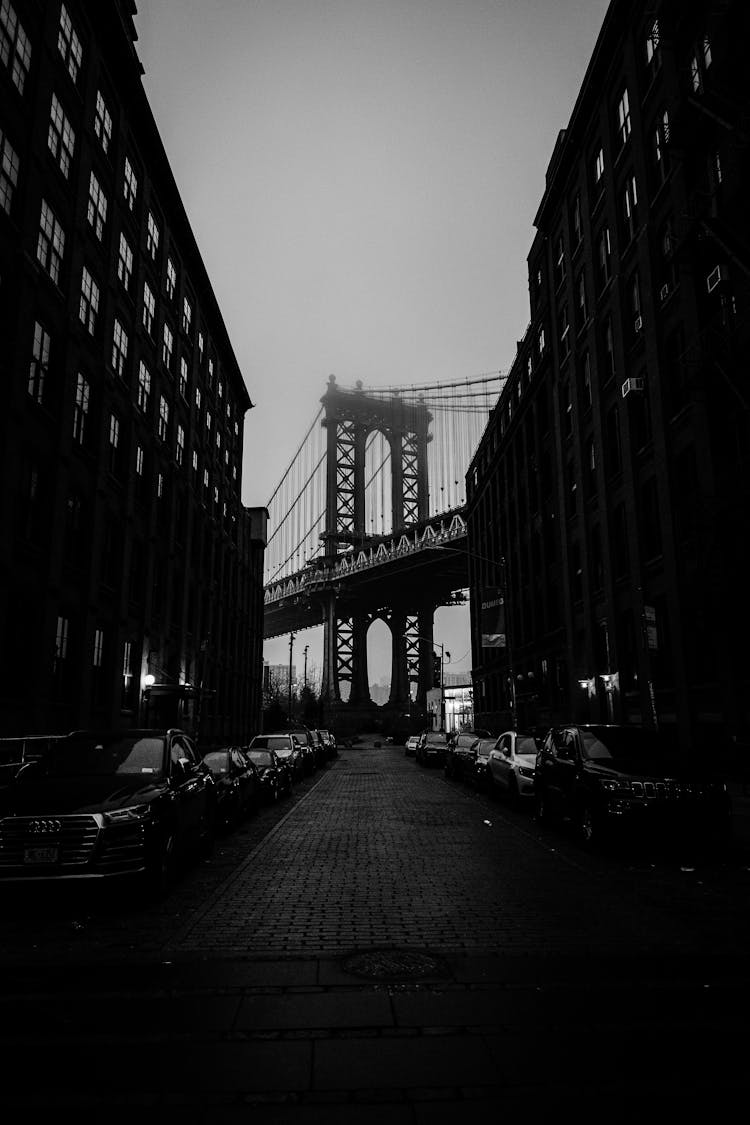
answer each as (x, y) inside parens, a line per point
(73, 836)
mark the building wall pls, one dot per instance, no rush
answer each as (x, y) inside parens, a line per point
(613, 476)
(126, 550)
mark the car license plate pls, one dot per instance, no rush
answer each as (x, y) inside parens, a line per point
(40, 855)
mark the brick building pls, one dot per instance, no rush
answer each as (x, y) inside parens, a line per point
(609, 497)
(130, 572)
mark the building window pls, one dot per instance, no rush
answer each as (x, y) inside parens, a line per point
(599, 167)
(208, 421)
(139, 461)
(717, 173)
(61, 138)
(39, 362)
(634, 300)
(149, 308)
(183, 377)
(187, 316)
(69, 45)
(572, 490)
(144, 386)
(61, 644)
(630, 209)
(125, 263)
(102, 121)
(577, 222)
(650, 522)
(197, 398)
(163, 429)
(195, 465)
(167, 346)
(97, 207)
(89, 303)
(623, 117)
(81, 409)
(152, 235)
(114, 442)
(613, 447)
(129, 185)
(590, 467)
(563, 322)
(608, 350)
(127, 675)
(210, 373)
(180, 447)
(660, 141)
(160, 486)
(171, 279)
(541, 341)
(119, 348)
(200, 346)
(699, 64)
(15, 48)
(566, 410)
(582, 311)
(586, 381)
(653, 51)
(603, 259)
(559, 262)
(205, 485)
(9, 166)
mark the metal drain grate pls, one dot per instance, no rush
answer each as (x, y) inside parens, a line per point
(394, 964)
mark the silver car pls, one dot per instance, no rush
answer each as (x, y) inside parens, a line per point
(511, 764)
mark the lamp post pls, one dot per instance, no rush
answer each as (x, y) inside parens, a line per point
(501, 564)
(443, 654)
(305, 674)
(291, 649)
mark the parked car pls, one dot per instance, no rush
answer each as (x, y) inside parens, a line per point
(607, 779)
(18, 751)
(238, 787)
(460, 755)
(410, 746)
(275, 775)
(432, 749)
(309, 748)
(511, 764)
(100, 804)
(329, 741)
(479, 776)
(321, 753)
(287, 748)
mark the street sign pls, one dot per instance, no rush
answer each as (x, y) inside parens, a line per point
(493, 618)
(652, 636)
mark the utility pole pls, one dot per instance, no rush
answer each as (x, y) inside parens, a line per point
(291, 649)
(306, 648)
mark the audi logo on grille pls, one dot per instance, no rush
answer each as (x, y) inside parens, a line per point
(40, 827)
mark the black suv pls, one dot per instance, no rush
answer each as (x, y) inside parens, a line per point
(605, 778)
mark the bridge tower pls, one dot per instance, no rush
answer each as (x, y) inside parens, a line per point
(349, 418)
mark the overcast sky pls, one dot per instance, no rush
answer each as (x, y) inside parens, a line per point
(361, 177)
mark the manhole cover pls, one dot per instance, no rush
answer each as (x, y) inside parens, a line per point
(393, 964)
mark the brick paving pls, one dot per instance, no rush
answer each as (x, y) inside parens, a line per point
(242, 997)
(385, 853)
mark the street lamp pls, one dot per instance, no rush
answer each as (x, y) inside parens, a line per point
(443, 654)
(502, 565)
(291, 649)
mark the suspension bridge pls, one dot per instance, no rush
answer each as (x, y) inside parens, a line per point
(367, 523)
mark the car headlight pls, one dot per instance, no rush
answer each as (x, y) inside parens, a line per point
(131, 814)
(612, 786)
(526, 771)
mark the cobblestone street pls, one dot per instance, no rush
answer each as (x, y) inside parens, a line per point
(387, 942)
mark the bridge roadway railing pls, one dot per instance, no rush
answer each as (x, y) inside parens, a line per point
(440, 530)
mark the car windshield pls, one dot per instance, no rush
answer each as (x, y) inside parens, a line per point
(121, 755)
(260, 757)
(217, 761)
(526, 744)
(283, 752)
(271, 742)
(435, 740)
(623, 744)
(484, 746)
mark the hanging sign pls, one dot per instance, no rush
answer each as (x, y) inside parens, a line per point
(493, 618)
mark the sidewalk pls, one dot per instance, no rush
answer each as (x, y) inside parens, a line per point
(314, 1042)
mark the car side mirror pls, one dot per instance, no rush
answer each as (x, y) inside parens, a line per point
(179, 773)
